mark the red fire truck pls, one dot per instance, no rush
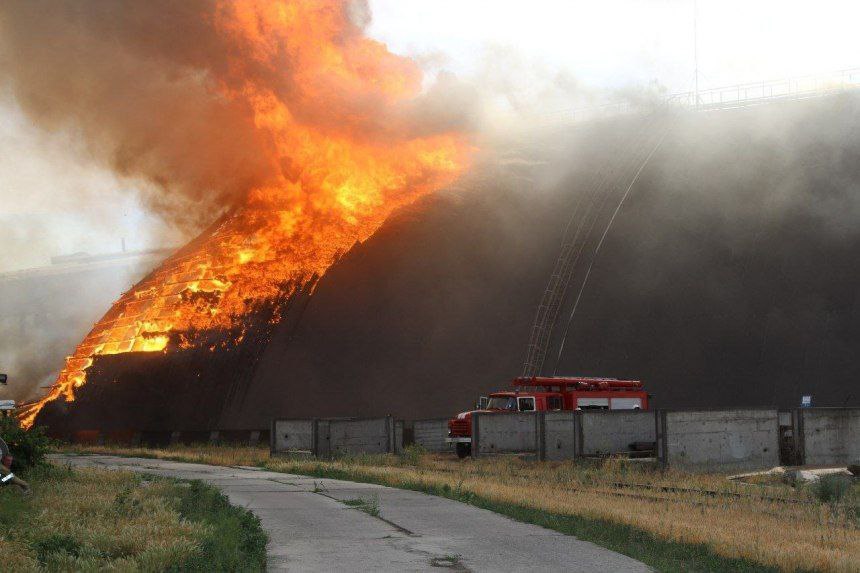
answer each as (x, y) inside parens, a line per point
(547, 394)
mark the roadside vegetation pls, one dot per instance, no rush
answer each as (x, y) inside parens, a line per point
(91, 519)
(27, 446)
(670, 520)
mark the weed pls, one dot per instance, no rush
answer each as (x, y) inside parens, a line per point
(832, 488)
(369, 505)
(447, 562)
(412, 454)
(319, 488)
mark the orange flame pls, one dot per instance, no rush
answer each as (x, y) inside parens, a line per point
(341, 140)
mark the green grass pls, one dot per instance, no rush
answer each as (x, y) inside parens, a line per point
(92, 519)
(235, 540)
(658, 553)
(368, 505)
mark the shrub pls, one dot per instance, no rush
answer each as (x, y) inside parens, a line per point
(28, 447)
(411, 454)
(832, 488)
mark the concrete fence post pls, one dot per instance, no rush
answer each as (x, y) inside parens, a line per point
(272, 437)
(795, 438)
(578, 435)
(799, 438)
(660, 437)
(389, 433)
(476, 435)
(398, 436)
(540, 436)
(315, 438)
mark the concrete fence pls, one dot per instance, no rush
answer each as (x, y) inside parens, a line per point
(517, 432)
(431, 434)
(718, 440)
(293, 436)
(562, 435)
(707, 440)
(162, 438)
(337, 436)
(614, 432)
(362, 436)
(826, 436)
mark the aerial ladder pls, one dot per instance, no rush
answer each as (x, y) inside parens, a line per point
(600, 203)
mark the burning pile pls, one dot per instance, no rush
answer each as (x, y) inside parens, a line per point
(341, 152)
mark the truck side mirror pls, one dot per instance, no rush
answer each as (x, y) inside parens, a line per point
(482, 403)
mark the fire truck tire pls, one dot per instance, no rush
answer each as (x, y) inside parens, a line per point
(464, 450)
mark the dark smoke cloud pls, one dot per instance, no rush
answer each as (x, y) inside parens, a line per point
(135, 79)
(143, 84)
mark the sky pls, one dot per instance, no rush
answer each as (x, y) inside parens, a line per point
(540, 54)
(613, 43)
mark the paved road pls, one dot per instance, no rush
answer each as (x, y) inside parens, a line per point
(310, 529)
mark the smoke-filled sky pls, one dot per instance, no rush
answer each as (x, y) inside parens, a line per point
(538, 54)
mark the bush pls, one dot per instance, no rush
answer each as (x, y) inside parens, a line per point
(411, 454)
(832, 488)
(28, 447)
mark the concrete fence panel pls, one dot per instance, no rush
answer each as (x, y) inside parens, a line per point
(431, 434)
(367, 436)
(829, 436)
(289, 436)
(559, 435)
(719, 440)
(612, 432)
(505, 433)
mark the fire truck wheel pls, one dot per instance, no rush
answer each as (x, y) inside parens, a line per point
(464, 450)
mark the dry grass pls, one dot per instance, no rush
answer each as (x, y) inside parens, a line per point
(95, 520)
(231, 455)
(735, 522)
(778, 525)
(92, 519)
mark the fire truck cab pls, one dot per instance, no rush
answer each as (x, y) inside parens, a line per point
(548, 394)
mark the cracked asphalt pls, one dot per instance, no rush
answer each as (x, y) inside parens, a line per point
(311, 528)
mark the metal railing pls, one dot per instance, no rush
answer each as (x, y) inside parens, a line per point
(726, 97)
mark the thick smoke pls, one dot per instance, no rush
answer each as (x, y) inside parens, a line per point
(135, 80)
(727, 280)
(38, 326)
(152, 89)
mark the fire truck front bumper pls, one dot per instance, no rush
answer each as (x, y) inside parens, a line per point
(458, 440)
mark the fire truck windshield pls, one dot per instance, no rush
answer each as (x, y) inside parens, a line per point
(502, 403)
